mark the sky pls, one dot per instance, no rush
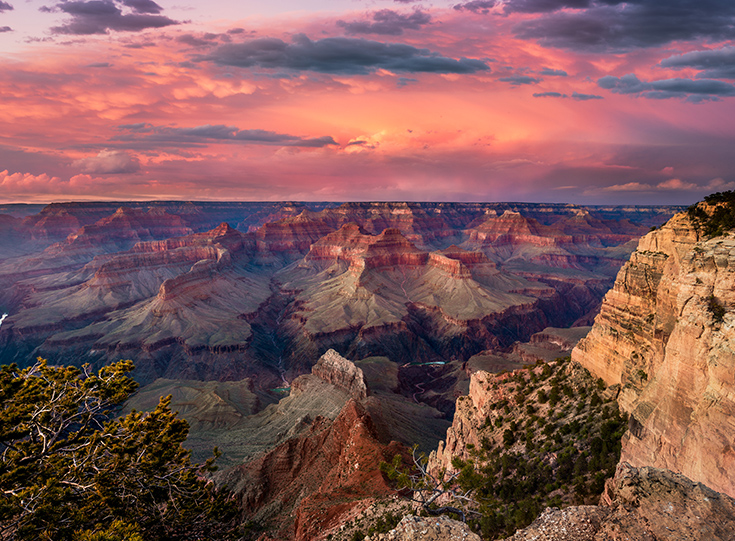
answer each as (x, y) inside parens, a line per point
(579, 101)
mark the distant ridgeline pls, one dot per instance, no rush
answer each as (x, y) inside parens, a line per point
(716, 215)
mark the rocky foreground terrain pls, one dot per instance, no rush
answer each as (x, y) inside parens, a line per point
(646, 504)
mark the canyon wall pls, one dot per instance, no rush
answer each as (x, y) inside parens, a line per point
(664, 337)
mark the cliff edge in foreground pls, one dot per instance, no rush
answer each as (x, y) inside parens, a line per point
(666, 336)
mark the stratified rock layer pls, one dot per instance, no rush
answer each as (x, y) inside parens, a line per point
(665, 335)
(161, 283)
(305, 485)
(335, 369)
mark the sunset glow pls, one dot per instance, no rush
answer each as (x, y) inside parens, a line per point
(595, 101)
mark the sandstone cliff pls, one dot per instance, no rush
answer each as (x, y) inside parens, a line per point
(335, 369)
(665, 336)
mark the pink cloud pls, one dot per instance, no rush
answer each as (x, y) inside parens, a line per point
(108, 162)
(19, 183)
(677, 184)
(103, 108)
(628, 187)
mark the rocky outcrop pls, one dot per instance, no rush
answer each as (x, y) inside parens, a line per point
(361, 249)
(290, 237)
(121, 230)
(306, 485)
(469, 417)
(645, 504)
(665, 336)
(340, 372)
(441, 528)
(515, 229)
(578, 523)
(508, 400)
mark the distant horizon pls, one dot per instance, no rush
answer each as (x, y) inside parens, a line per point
(590, 101)
(294, 201)
(3, 206)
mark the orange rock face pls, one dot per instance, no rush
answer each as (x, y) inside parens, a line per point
(666, 336)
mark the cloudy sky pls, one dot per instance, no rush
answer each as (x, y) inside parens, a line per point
(584, 101)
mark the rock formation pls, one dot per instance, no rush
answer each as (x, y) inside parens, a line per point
(163, 283)
(325, 468)
(441, 528)
(644, 504)
(335, 369)
(665, 336)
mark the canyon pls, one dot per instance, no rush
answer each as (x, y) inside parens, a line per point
(217, 291)
(311, 341)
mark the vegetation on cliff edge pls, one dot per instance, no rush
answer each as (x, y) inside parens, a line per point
(552, 442)
(722, 218)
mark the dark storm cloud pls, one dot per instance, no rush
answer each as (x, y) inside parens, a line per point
(615, 26)
(693, 90)
(101, 16)
(199, 135)
(337, 55)
(585, 97)
(476, 6)
(549, 95)
(143, 6)
(205, 40)
(518, 80)
(387, 22)
(4, 6)
(715, 64)
(553, 73)
(543, 6)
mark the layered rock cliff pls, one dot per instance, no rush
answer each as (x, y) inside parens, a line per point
(335, 369)
(665, 336)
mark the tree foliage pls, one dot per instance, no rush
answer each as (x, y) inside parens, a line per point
(722, 218)
(431, 491)
(70, 471)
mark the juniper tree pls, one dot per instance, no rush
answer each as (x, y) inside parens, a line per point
(70, 471)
